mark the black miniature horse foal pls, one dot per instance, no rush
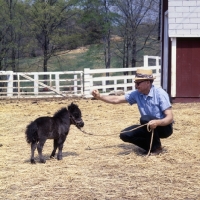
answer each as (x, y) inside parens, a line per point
(56, 127)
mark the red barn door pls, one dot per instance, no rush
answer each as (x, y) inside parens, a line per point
(188, 67)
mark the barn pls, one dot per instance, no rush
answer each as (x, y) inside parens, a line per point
(180, 44)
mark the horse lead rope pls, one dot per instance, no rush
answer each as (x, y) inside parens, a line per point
(152, 134)
(74, 121)
(148, 129)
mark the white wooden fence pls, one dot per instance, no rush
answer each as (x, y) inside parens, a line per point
(38, 84)
(97, 79)
(71, 83)
(151, 61)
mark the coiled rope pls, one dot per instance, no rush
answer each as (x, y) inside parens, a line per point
(149, 130)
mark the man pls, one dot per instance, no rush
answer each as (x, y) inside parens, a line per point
(154, 107)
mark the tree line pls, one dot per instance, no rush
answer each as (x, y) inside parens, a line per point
(43, 28)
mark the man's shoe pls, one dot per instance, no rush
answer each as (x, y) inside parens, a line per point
(157, 151)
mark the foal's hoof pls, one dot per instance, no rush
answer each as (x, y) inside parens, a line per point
(59, 157)
(42, 160)
(52, 157)
(33, 161)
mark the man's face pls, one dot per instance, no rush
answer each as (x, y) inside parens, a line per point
(142, 86)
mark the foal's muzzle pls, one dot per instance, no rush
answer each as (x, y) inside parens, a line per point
(80, 123)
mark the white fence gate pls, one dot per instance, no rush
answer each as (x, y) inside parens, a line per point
(71, 83)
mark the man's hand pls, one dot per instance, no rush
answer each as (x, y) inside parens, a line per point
(109, 98)
(96, 94)
(162, 122)
(154, 123)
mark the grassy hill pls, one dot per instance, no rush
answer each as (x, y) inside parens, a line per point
(75, 60)
(78, 59)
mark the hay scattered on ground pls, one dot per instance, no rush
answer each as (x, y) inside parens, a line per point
(98, 166)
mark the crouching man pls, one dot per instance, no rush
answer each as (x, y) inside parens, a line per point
(155, 109)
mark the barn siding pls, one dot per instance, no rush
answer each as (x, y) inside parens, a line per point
(184, 18)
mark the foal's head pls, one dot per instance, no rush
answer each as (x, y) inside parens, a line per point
(75, 115)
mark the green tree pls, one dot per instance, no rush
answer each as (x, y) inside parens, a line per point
(97, 19)
(46, 21)
(136, 25)
(10, 33)
(3, 36)
(92, 20)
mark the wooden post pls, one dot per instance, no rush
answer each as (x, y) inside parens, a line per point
(75, 84)
(104, 84)
(36, 87)
(146, 61)
(10, 83)
(18, 85)
(57, 80)
(157, 61)
(87, 80)
(125, 82)
(115, 83)
(81, 82)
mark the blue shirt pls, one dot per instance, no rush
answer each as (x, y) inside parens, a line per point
(154, 104)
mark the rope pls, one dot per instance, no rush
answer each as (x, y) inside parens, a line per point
(135, 128)
(152, 134)
(148, 129)
(85, 132)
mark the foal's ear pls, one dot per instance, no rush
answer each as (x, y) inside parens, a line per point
(70, 106)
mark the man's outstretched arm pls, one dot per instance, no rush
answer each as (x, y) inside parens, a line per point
(109, 98)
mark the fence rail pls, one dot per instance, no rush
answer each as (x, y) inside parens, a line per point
(70, 83)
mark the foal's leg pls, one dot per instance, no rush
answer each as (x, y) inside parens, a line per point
(55, 146)
(60, 147)
(33, 147)
(39, 148)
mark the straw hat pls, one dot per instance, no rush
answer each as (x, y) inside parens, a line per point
(144, 74)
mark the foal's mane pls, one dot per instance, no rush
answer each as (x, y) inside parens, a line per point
(61, 113)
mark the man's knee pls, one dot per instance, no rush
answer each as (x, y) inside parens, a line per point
(124, 137)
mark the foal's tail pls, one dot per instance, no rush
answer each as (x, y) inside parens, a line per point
(31, 133)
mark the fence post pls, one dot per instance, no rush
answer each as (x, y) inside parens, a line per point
(157, 61)
(18, 85)
(104, 84)
(81, 82)
(87, 80)
(145, 61)
(125, 82)
(10, 84)
(75, 84)
(57, 80)
(36, 84)
(115, 83)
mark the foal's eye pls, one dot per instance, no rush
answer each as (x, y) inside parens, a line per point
(76, 115)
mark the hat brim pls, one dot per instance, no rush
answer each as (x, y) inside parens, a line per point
(137, 78)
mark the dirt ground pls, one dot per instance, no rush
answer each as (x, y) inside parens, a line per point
(98, 166)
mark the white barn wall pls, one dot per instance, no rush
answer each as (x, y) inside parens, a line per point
(184, 18)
